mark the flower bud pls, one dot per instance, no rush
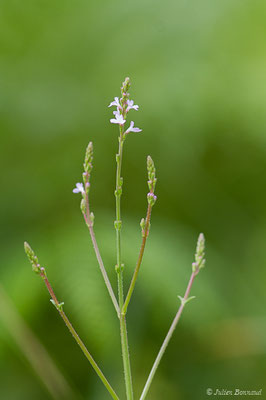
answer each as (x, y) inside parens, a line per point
(32, 258)
(92, 218)
(118, 225)
(125, 86)
(151, 198)
(88, 158)
(200, 254)
(151, 174)
(142, 225)
(83, 206)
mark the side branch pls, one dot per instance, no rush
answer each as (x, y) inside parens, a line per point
(139, 261)
(89, 223)
(167, 338)
(89, 217)
(84, 349)
(145, 226)
(196, 267)
(59, 306)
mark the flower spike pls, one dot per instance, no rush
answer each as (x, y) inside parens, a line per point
(200, 254)
(33, 259)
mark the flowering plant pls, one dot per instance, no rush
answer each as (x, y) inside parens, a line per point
(123, 106)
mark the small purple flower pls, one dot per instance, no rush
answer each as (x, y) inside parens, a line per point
(130, 105)
(79, 188)
(152, 195)
(118, 118)
(132, 129)
(115, 103)
(151, 198)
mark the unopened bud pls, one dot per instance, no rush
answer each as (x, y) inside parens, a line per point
(151, 174)
(88, 158)
(151, 198)
(119, 269)
(125, 86)
(200, 254)
(83, 206)
(118, 225)
(92, 218)
(142, 225)
(32, 258)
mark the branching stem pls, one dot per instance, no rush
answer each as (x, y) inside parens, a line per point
(141, 252)
(168, 337)
(76, 336)
(119, 270)
(98, 256)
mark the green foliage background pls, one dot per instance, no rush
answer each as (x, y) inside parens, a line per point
(198, 74)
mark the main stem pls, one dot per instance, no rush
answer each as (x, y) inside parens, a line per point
(77, 338)
(167, 338)
(119, 269)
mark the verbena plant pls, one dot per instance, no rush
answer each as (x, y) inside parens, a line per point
(123, 106)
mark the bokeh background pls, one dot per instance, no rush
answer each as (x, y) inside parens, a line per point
(198, 74)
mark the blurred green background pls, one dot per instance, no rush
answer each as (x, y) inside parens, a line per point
(198, 73)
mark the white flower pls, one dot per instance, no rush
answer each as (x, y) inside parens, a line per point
(118, 118)
(79, 188)
(130, 105)
(132, 129)
(115, 103)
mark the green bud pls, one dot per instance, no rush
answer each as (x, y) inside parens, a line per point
(125, 94)
(83, 206)
(151, 174)
(200, 254)
(118, 270)
(143, 226)
(118, 225)
(92, 218)
(88, 158)
(150, 165)
(125, 86)
(118, 192)
(32, 258)
(151, 198)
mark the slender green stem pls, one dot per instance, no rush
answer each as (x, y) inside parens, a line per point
(168, 337)
(141, 252)
(126, 359)
(119, 269)
(98, 256)
(77, 338)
